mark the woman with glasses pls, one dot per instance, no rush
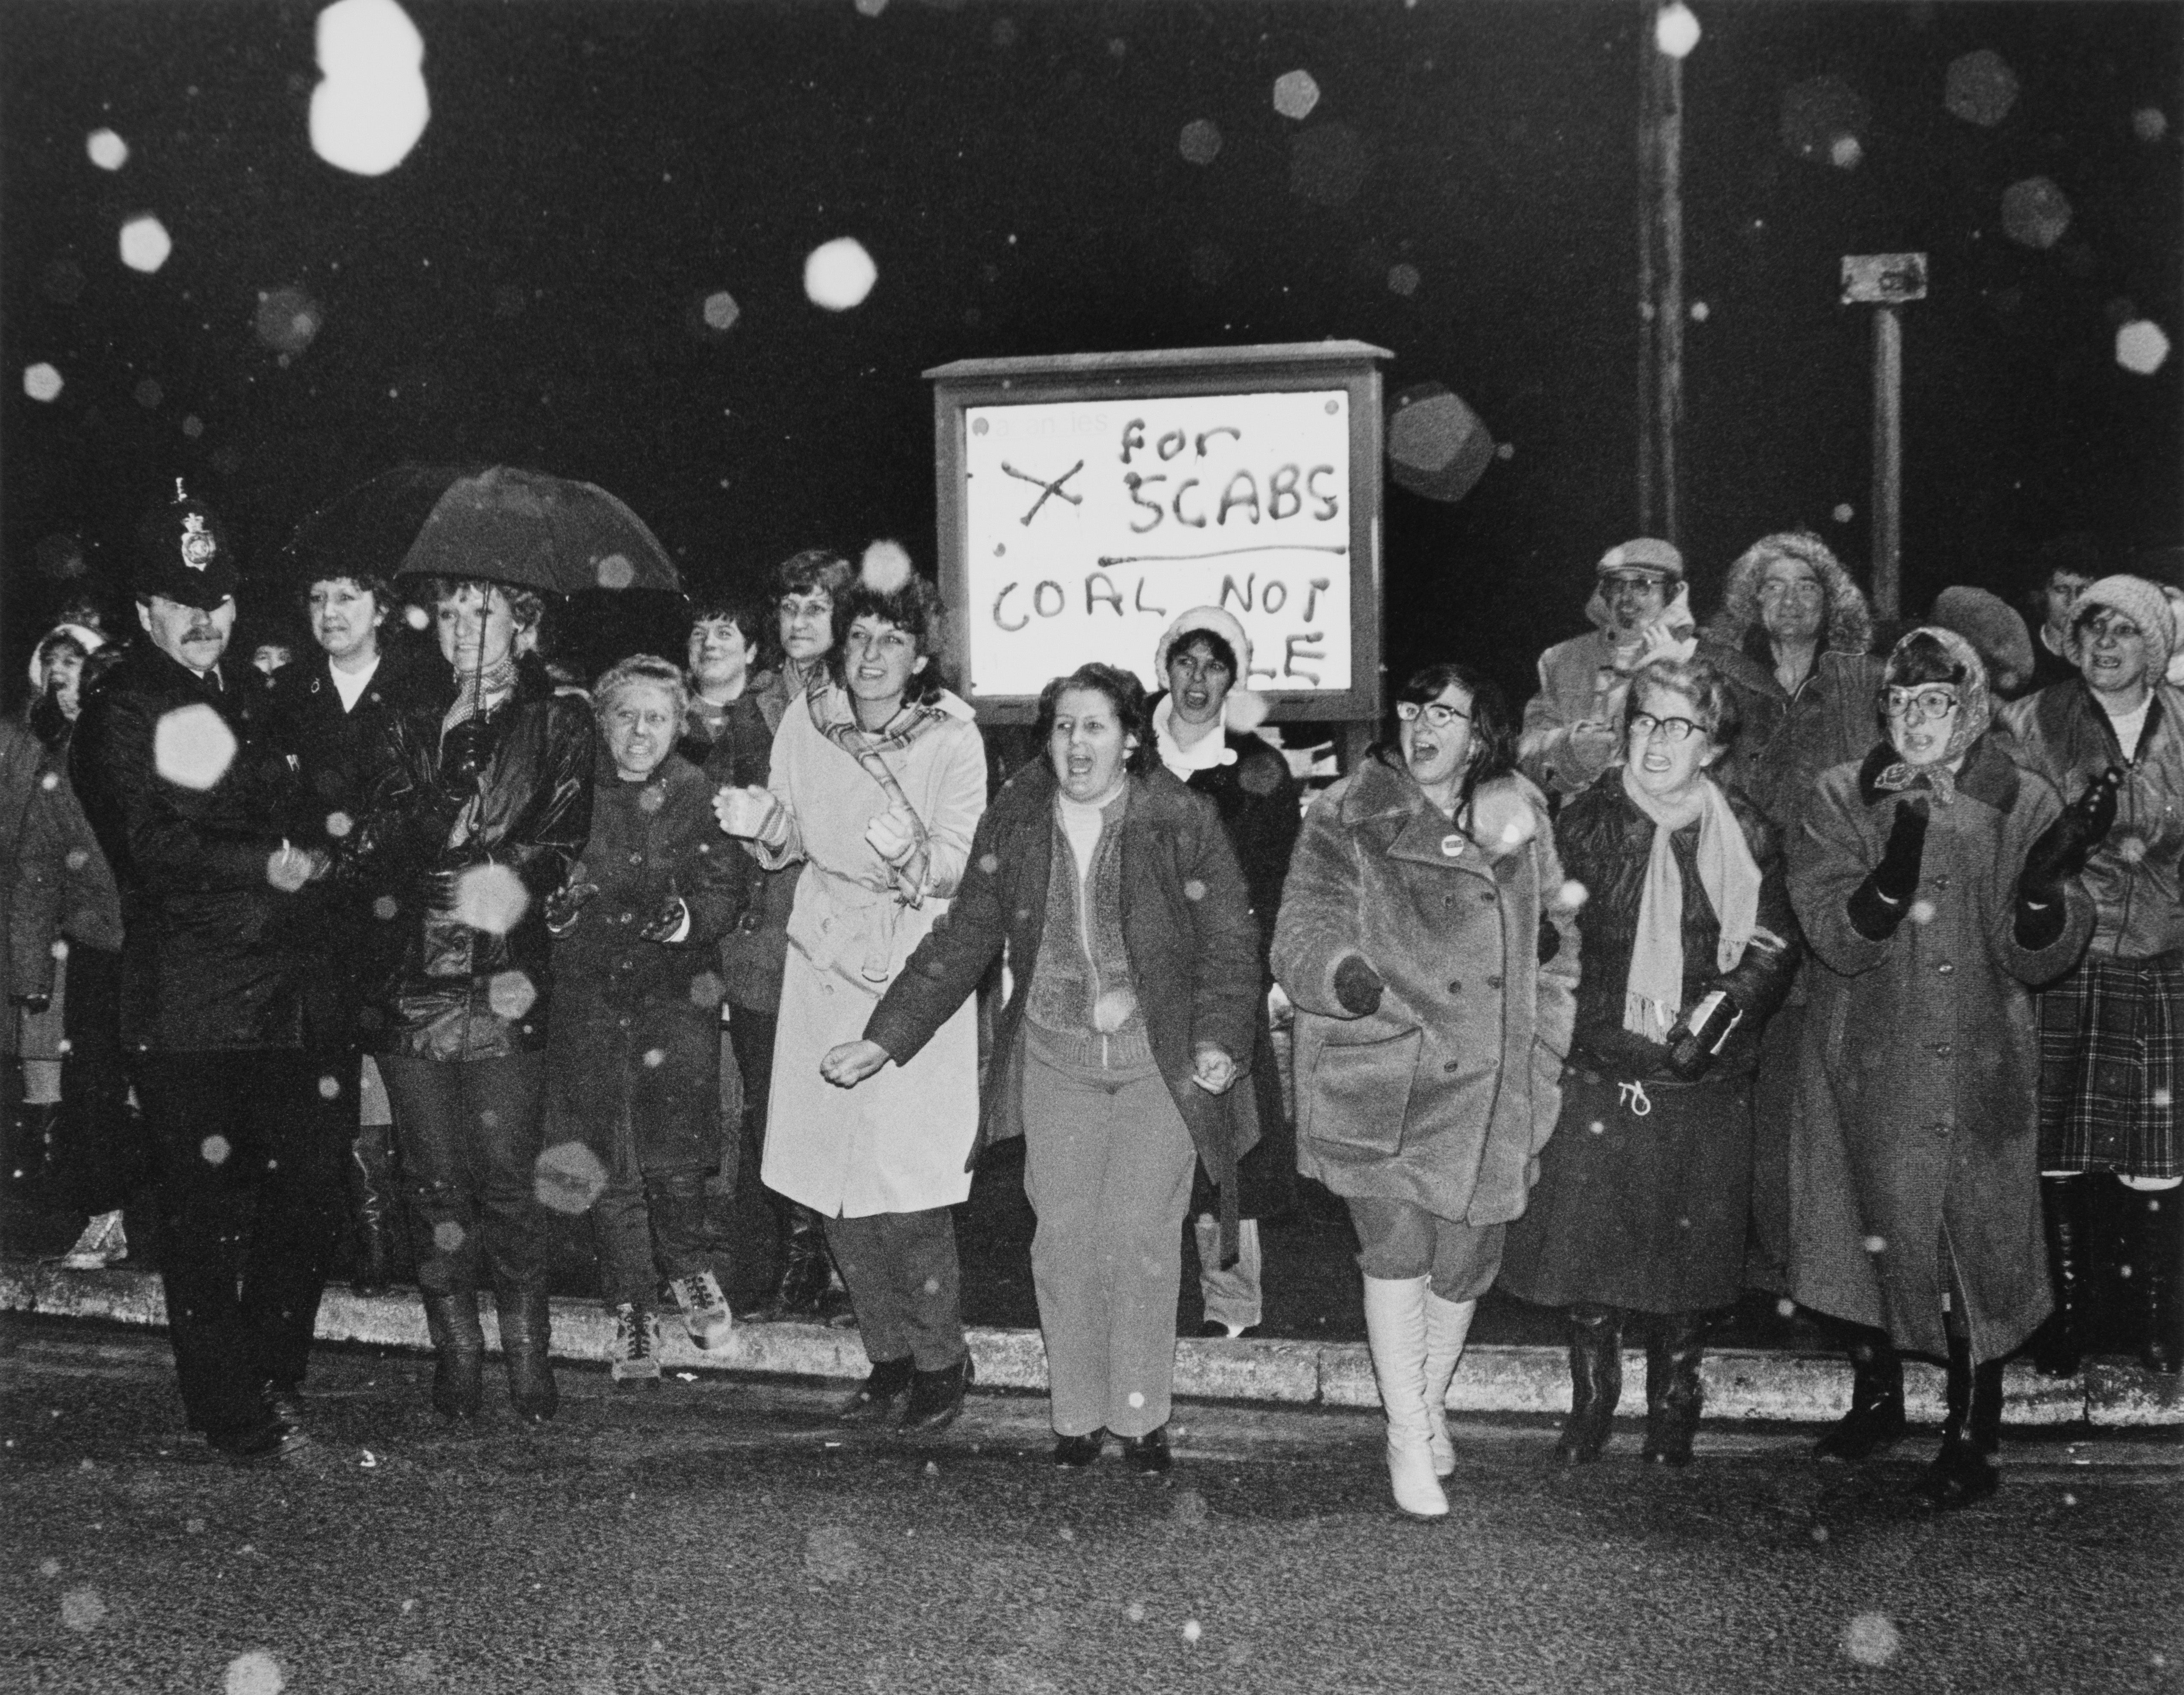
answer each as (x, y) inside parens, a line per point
(1936, 884)
(1427, 941)
(2112, 1032)
(1643, 1190)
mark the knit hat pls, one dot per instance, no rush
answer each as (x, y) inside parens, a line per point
(183, 555)
(1646, 556)
(1988, 622)
(1245, 708)
(2145, 605)
(82, 635)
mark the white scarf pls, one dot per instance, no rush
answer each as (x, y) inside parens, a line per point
(1653, 992)
(1209, 750)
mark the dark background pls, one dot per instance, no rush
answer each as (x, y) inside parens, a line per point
(524, 288)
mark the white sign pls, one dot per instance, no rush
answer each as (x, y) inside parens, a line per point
(1090, 524)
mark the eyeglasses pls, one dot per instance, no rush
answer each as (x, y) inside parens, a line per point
(1919, 703)
(1779, 590)
(1439, 714)
(1643, 724)
(2114, 626)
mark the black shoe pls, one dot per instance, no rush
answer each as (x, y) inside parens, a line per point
(936, 1397)
(1876, 1419)
(1148, 1454)
(880, 1395)
(259, 1444)
(527, 1351)
(1596, 1358)
(1213, 1328)
(1958, 1475)
(1079, 1451)
(458, 1355)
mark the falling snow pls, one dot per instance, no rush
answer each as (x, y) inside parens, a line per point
(491, 898)
(837, 275)
(82, 1609)
(1980, 88)
(567, 1178)
(255, 1672)
(145, 243)
(41, 381)
(1201, 141)
(1871, 1639)
(2141, 346)
(1675, 30)
(2034, 212)
(108, 151)
(371, 106)
(511, 994)
(1295, 94)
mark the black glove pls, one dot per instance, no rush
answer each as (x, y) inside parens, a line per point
(673, 914)
(2060, 851)
(1877, 906)
(467, 750)
(1357, 987)
(1692, 1049)
(563, 904)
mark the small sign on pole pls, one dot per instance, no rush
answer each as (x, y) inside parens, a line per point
(1885, 281)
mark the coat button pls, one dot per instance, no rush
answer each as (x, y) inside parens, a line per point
(1455, 986)
(1493, 983)
(1453, 1065)
(1488, 898)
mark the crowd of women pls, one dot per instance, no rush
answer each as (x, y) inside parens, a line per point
(1750, 958)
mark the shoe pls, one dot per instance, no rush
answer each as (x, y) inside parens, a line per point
(458, 1355)
(1447, 1324)
(1673, 1394)
(1876, 1419)
(636, 1350)
(1072, 1451)
(1961, 1472)
(2056, 1347)
(1395, 1332)
(705, 1312)
(1596, 1360)
(103, 1242)
(261, 1443)
(1148, 1454)
(1215, 1330)
(286, 1401)
(936, 1397)
(880, 1395)
(527, 1334)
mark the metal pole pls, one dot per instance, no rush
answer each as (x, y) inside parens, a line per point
(1660, 279)
(1887, 458)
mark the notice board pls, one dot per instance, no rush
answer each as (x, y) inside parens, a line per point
(1086, 500)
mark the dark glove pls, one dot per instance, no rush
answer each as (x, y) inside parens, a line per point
(1357, 987)
(467, 750)
(1551, 939)
(673, 914)
(1877, 906)
(435, 891)
(563, 904)
(2061, 850)
(1692, 1049)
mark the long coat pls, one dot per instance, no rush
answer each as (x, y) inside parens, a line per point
(737, 750)
(1444, 1096)
(213, 955)
(634, 1063)
(1917, 1129)
(898, 1142)
(1186, 927)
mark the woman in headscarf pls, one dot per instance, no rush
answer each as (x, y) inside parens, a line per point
(1936, 884)
(1643, 1188)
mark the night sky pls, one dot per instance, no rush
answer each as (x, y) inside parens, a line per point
(527, 286)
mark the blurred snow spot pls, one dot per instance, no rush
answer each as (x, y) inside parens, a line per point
(837, 275)
(2130, 849)
(1438, 447)
(655, 1058)
(1844, 153)
(149, 395)
(1675, 30)
(1876, 1244)
(2161, 1098)
(2034, 212)
(448, 1236)
(933, 1468)
(1921, 912)
(511, 994)
(369, 1461)
(567, 1178)
(615, 571)
(192, 425)
(256, 1673)
(416, 617)
(287, 319)
(830, 1553)
(416, 1666)
(1571, 895)
(1192, 1629)
(1328, 165)
(706, 989)
(2150, 123)
(2141, 346)
(1597, 1128)
(60, 947)
(49, 1568)
(1068, 1535)
(329, 1088)
(1843, 512)
(1820, 1533)
(1819, 112)
(932, 1285)
(2069, 1500)
(990, 863)
(1701, 311)
(371, 105)
(194, 1527)
(1188, 1508)
(720, 310)
(108, 151)
(41, 381)
(1135, 1612)
(1870, 1640)
(145, 243)
(491, 898)
(1403, 280)
(1295, 94)
(1136, 1399)
(81, 1609)
(215, 1149)
(384, 908)
(1194, 889)
(871, 9)
(339, 824)
(1979, 88)
(1201, 141)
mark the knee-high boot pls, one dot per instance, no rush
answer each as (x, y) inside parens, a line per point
(1961, 1472)
(1596, 1358)
(371, 1211)
(1876, 1419)
(807, 1269)
(1447, 1324)
(458, 1353)
(1673, 1390)
(1395, 1329)
(2156, 1245)
(526, 1343)
(2057, 1348)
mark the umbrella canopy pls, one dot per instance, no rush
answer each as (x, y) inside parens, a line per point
(500, 523)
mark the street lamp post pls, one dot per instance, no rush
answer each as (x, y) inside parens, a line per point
(1885, 281)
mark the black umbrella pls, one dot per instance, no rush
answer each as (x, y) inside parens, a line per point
(500, 523)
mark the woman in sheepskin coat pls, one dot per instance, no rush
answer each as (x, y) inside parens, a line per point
(1432, 958)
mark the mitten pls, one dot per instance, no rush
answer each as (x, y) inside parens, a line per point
(1877, 906)
(1357, 987)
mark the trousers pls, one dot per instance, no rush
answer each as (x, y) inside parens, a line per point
(1398, 1241)
(904, 1283)
(470, 1133)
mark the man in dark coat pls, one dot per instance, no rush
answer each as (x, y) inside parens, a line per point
(197, 816)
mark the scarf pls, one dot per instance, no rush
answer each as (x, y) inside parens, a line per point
(865, 747)
(1208, 751)
(1973, 711)
(478, 691)
(1653, 993)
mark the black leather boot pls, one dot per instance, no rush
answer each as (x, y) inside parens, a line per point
(806, 1270)
(1673, 1390)
(1595, 1358)
(1876, 1419)
(880, 1397)
(458, 1354)
(2059, 1343)
(371, 1214)
(2155, 1247)
(1961, 1474)
(936, 1397)
(526, 1339)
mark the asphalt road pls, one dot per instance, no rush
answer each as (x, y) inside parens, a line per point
(726, 1536)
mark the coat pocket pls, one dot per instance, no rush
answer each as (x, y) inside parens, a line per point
(1359, 1093)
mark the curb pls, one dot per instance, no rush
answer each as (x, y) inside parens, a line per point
(1802, 1388)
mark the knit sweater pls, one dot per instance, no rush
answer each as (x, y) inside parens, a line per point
(1083, 998)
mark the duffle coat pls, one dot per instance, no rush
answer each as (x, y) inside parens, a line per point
(1444, 1096)
(1915, 1142)
(634, 1059)
(1186, 926)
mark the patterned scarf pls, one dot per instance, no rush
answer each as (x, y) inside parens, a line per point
(1653, 992)
(478, 691)
(835, 718)
(1975, 710)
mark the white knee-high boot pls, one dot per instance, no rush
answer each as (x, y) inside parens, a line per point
(1396, 1328)
(1447, 1324)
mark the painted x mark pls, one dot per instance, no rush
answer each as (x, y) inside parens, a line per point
(1046, 488)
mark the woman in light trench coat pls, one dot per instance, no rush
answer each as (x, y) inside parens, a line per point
(1430, 950)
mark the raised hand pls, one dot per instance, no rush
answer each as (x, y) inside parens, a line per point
(1357, 987)
(564, 903)
(1212, 1069)
(851, 1063)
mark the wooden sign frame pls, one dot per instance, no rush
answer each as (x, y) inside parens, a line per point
(1353, 366)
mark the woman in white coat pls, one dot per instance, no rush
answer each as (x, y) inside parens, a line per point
(877, 783)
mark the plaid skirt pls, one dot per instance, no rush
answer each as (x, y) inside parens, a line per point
(2111, 1050)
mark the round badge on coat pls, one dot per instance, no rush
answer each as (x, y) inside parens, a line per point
(1451, 845)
